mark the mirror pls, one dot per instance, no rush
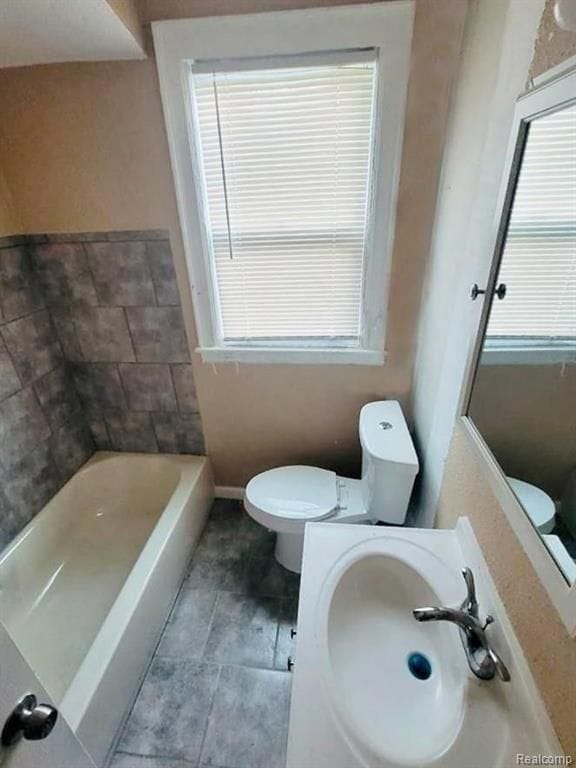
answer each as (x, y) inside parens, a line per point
(523, 399)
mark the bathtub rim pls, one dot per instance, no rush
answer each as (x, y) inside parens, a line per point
(97, 458)
(84, 685)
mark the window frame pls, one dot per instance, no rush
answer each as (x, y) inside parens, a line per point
(178, 43)
(518, 350)
(527, 351)
(318, 343)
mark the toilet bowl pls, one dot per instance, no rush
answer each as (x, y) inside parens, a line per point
(284, 499)
(538, 505)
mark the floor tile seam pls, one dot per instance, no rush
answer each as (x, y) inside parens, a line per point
(279, 613)
(168, 621)
(209, 716)
(210, 624)
(208, 662)
(278, 601)
(191, 763)
(242, 593)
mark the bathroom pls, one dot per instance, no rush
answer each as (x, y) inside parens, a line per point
(243, 470)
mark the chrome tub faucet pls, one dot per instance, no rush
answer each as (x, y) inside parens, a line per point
(483, 660)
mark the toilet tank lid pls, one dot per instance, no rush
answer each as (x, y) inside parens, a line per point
(384, 434)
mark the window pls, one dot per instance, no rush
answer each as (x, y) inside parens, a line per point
(286, 156)
(286, 160)
(538, 262)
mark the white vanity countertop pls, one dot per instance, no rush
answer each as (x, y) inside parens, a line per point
(477, 724)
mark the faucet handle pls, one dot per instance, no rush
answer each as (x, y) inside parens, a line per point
(499, 665)
(487, 621)
(470, 604)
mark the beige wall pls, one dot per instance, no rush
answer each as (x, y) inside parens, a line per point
(9, 222)
(526, 414)
(550, 651)
(85, 149)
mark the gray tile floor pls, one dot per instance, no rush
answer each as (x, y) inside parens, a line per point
(217, 692)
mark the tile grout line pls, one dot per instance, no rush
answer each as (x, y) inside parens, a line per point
(210, 624)
(127, 321)
(85, 251)
(68, 313)
(164, 758)
(70, 316)
(279, 602)
(12, 358)
(150, 272)
(209, 715)
(122, 386)
(13, 363)
(18, 318)
(178, 410)
(55, 336)
(208, 663)
(153, 426)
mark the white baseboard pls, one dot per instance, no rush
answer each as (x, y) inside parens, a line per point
(228, 492)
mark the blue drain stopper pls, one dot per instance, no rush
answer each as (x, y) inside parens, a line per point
(419, 666)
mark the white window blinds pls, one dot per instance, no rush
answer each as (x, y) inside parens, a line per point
(539, 258)
(285, 155)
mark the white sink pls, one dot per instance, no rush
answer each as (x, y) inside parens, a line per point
(371, 636)
(356, 703)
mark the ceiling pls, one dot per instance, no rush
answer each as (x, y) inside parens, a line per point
(51, 31)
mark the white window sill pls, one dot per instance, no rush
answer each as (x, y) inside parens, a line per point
(527, 355)
(289, 356)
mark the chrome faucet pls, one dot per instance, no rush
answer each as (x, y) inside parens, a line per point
(482, 658)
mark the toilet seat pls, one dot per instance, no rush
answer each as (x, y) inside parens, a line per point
(286, 498)
(538, 505)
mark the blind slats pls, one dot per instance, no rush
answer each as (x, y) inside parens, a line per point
(286, 158)
(539, 257)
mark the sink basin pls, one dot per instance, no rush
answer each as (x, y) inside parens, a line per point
(398, 686)
(372, 687)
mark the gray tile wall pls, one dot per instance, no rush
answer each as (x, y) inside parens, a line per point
(116, 310)
(91, 334)
(44, 436)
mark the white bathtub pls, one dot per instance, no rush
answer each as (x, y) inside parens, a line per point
(87, 586)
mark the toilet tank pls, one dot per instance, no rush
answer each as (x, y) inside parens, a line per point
(389, 461)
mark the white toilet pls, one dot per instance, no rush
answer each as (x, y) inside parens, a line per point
(286, 498)
(538, 505)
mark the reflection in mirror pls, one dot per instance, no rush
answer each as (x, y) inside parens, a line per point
(524, 395)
